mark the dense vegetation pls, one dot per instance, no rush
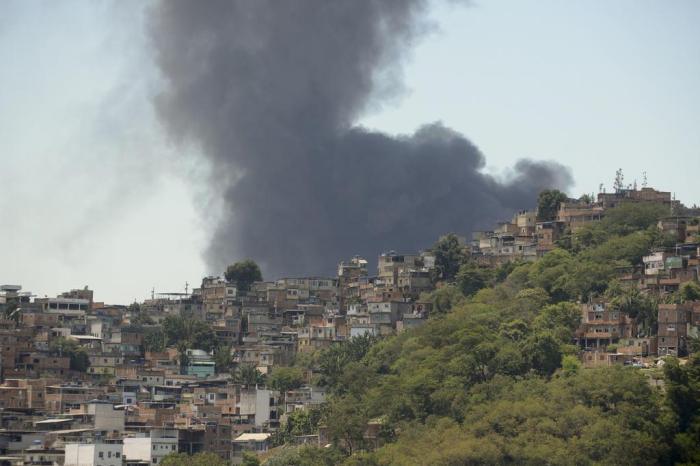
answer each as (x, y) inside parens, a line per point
(492, 378)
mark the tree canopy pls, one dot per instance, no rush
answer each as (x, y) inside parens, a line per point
(79, 359)
(249, 375)
(449, 256)
(548, 204)
(243, 274)
(285, 378)
(190, 332)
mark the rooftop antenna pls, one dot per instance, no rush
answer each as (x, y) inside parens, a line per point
(601, 188)
(635, 184)
(153, 293)
(619, 178)
(187, 287)
(644, 179)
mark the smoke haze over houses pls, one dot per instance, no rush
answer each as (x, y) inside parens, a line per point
(271, 92)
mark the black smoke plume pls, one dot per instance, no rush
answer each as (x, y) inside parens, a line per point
(271, 91)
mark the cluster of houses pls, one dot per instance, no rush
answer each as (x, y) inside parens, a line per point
(525, 237)
(607, 335)
(124, 405)
(663, 272)
(102, 398)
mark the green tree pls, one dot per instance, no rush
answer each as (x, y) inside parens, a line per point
(587, 198)
(301, 422)
(248, 375)
(286, 378)
(694, 344)
(223, 358)
(154, 340)
(690, 291)
(630, 217)
(551, 272)
(548, 204)
(449, 256)
(250, 459)
(308, 456)
(641, 307)
(544, 352)
(444, 298)
(346, 421)
(333, 361)
(243, 274)
(683, 390)
(683, 397)
(471, 278)
(79, 359)
(193, 333)
(570, 365)
(608, 416)
(182, 357)
(12, 311)
(560, 319)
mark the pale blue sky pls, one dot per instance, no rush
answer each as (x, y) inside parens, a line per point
(596, 85)
(91, 194)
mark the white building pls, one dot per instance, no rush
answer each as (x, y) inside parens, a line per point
(255, 443)
(653, 263)
(361, 329)
(158, 444)
(65, 306)
(101, 453)
(259, 406)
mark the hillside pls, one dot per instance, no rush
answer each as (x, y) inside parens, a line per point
(494, 377)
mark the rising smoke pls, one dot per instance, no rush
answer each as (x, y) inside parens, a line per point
(271, 90)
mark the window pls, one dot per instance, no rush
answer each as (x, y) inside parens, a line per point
(117, 454)
(101, 454)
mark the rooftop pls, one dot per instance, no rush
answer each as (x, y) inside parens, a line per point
(252, 437)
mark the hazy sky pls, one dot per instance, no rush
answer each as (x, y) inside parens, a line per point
(92, 194)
